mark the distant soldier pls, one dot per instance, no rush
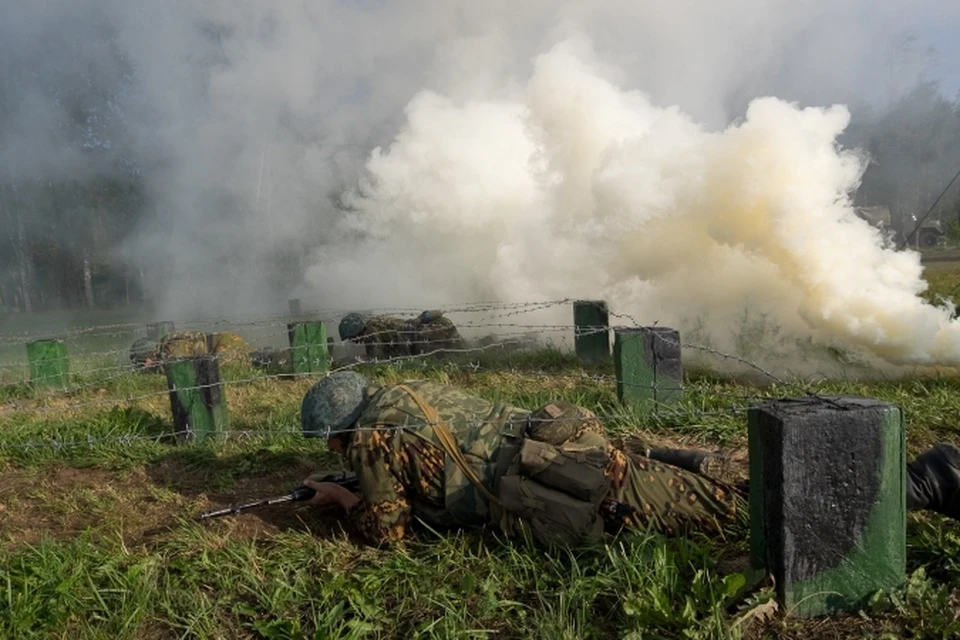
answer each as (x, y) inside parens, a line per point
(272, 361)
(144, 356)
(388, 337)
(147, 355)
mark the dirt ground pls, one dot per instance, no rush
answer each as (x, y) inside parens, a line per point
(141, 505)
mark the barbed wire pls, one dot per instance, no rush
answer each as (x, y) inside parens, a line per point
(91, 440)
(230, 351)
(358, 362)
(264, 377)
(518, 334)
(507, 309)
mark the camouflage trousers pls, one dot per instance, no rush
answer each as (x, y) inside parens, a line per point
(645, 494)
(671, 500)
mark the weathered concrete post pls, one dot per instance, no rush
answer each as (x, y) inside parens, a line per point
(197, 399)
(648, 366)
(308, 347)
(828, 500)
(591, 330)
(294, 307)
(157, 330)
(49, 363)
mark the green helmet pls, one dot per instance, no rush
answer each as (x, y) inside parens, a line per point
(143, 349)
(351, 325)
(333, 404)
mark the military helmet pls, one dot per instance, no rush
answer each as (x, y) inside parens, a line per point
(333, 404)
(430, 315)
(143, 349)
(351, 325)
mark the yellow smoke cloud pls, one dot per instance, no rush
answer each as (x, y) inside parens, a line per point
(744, 239)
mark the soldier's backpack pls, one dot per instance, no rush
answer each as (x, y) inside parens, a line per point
(549, 492)
(553, 492)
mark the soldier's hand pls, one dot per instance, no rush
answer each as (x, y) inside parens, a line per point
(330, 493)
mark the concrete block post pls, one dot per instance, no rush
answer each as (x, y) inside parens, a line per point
(591, 331)
(828, 500)
(157, 330)
(648, 367)
(197, 399)
(49, 363)
(308, 347)
(294, 307)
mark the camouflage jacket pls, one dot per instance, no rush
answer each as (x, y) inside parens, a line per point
(433, 332)
(404, 472)
(387, 337)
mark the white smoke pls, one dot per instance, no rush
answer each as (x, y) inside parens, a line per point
(573, 187)
(510, 176)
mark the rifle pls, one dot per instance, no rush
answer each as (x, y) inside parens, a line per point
(346, 480)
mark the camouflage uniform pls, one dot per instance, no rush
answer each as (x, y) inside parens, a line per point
(385, 337)
(402, 468)
(403, 471)
(644, 493)
(434, 331)
(388, 337)
(148, 355)
(143, 354)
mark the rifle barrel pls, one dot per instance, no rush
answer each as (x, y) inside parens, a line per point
(237, 508)
(350, 482)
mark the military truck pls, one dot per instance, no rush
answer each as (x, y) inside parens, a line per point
(928, 235)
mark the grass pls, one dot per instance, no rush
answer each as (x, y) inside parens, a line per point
(98, 537)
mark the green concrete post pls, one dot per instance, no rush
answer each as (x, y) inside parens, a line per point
(591, 331)
(828, 500)
(49, 364)
(197, 399)
(648, 367)
(308, 347)
(156, 330)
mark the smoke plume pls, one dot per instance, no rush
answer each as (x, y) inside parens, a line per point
(370, 154)
(744, 239)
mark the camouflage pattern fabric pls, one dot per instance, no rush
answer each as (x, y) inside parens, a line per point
(143, 354)
(404, 472)
(183, 344)
(402, 469)
(655, 495)
(435, 332)
(670, 500)
(229, 347)
(388, 337)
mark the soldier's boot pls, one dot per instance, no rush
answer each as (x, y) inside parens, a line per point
(933, 481)
(693, 460)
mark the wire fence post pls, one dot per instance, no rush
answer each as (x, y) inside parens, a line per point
(648, 367)
(591, 326)
(49, 364)
(828, 500)
(157, 330)
(197, 398)
(308, 347)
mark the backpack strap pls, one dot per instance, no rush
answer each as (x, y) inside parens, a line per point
(448, 442)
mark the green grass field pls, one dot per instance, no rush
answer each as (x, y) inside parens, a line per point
(98, 538)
